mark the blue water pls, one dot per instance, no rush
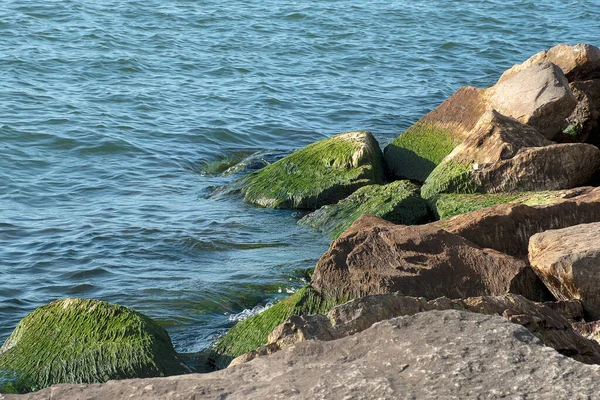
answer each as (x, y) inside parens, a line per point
(112, 112)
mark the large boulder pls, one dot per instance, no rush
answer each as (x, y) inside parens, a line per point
(578, 62)
(538, 95)
(432, 355)
(584, 121)
(321, 173)
(423, 261)
(508, 227)
(568, 261)
(552, 328)
(503, 155)
(87, 341)
(399, 202)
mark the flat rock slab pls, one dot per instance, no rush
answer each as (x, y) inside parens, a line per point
(437, 354)
(568, 261)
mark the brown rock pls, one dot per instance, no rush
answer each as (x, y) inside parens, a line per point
(578, 62)
(508, 227)
(503, 155)
(552, 328)
(584, 121)
(538, 95)
(568, 261)
(418, 261)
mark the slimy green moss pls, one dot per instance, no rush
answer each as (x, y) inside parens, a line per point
(450, 177)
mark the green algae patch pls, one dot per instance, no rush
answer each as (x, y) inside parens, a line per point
(416, 152)
(321, 173)
(447, 205)
(88, 341)
(397, 202)
(253, 332)
(14, 383)
(450, 177)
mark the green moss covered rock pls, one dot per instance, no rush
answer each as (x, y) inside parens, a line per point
(253, 332)
(398, 202)
(416, 152)
(319, 174)
(88, 341)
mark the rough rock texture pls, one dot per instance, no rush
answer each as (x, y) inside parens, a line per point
(438, 354)
(417, 151)
(578, 62)
(568, 261)
(508, 227)
(398, 202)
(584, 122)
(321, 173)
(76, 341)
(552, 328)
(503, 155)
(253, 332)
(419, 261)
(538, 95)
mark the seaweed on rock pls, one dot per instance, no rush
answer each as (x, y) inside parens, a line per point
(88, 341)
(253, 332)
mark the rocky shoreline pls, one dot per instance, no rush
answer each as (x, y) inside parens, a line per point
(465, 263)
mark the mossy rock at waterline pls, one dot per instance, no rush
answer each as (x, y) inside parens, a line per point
(88, 341)
(398, 202)
(321, 173)
(253, 332)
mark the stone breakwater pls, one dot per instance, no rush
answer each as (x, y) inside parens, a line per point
(464, 263)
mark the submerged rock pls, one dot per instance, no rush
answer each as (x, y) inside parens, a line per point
(423, 261)
(319, 174)
(550, 326)
(87, 341)
(568, 261)
(436, 354)
(398, 202)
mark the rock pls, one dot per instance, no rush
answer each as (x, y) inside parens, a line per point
(552, 328)
(538, 96)
(319, 174)
(572, 310)
(504, 155)
(417, 151)
(589, 330)
(76, 340)
(584, 120)
(253, 332)
(418, 261)
(398, 202)
(437, 354)
(568, 261)
(508, 227)
(578, 62)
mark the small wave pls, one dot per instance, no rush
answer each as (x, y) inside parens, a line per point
(249, 312)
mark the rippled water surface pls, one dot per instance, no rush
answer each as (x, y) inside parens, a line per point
(113, 113)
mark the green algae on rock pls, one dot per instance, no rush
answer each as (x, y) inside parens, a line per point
(253, 332)
(398, 202)
(321, 173)
(88, 341)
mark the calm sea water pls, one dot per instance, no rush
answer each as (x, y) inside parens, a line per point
(112, 112)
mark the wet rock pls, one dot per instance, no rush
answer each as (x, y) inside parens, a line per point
(319, 174)
(398, 202)
(568, 261)
(419, 260)
(437, 354)
(76, 340)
